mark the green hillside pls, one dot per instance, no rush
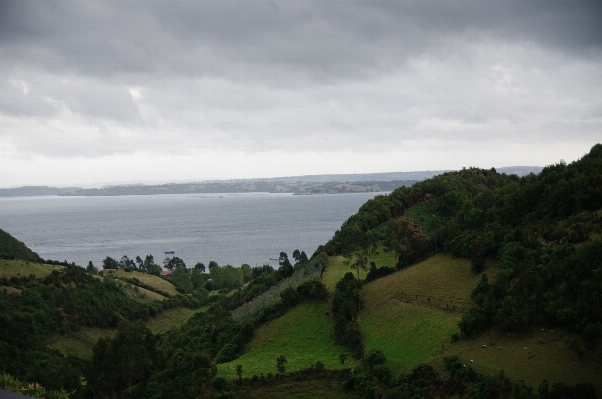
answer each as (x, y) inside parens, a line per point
(471, 284)
(11, 248)
(410, 315)
(302, 335)
(548, 355)
(399, 319)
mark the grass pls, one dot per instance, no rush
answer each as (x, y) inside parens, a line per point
(154, 281)
(407, 334)
(141, 294)
(443, 279)
(9, 290)
(383, 257)
(335, 271)
(337, 267)
(9, 268)
(81, 343)
(411, 314)
(302, 335)
(399, 319)
(168, 319)
(547, 356)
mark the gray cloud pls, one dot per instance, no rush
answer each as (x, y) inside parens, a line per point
(86, 80)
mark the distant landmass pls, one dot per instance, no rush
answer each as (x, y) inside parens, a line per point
(302, 185)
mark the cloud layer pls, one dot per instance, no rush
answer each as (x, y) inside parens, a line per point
(168, 90)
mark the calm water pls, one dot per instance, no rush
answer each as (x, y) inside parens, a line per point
(227, 228)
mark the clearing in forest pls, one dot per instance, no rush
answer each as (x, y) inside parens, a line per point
(411, 314)
(337, 267)
(303, 335)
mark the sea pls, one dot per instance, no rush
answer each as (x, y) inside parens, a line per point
(230, 229)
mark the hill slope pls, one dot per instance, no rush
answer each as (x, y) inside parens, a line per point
(11, 248)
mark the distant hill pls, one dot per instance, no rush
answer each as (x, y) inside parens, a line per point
(308, 184)
(391, 176)
(29, 191)
(11, 248)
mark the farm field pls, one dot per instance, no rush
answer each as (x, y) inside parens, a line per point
(9, 268)
(407, 334)
(547, 356)
(443, 279)
(144, 295)
(410, 315)
(302, 335)
(148, 279)
(81, 343)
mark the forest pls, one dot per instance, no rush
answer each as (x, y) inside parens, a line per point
(542, 231)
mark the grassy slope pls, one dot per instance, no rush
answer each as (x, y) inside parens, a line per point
(302, 335)
(411, 314)
(148, 279)
(547, 356)
(9, 268)
(81, 343)
(399, 320)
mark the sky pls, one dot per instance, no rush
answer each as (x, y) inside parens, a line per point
(98, 92)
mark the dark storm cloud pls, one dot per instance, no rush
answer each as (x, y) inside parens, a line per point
(325, 40)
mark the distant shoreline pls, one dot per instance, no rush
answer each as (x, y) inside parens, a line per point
(297, 185)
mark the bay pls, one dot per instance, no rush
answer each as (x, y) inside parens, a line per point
(227, 228)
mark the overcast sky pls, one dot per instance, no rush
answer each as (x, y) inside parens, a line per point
(147, 91)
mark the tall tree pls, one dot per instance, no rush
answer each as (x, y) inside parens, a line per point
(109, 263)
(200, 266)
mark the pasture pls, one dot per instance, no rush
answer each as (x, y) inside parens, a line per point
(148, 279)
(532, 357)
(9, 268)
(411, 314)
(303, 335)
(440, 281)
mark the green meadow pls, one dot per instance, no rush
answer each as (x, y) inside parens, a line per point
(148, 279)
(410, 315)
(531, 357)
(303, 335)
(407, 334)
(9, 268)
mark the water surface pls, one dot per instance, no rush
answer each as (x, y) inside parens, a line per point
(227, 228)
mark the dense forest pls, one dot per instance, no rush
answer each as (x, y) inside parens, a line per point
(543, 231)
